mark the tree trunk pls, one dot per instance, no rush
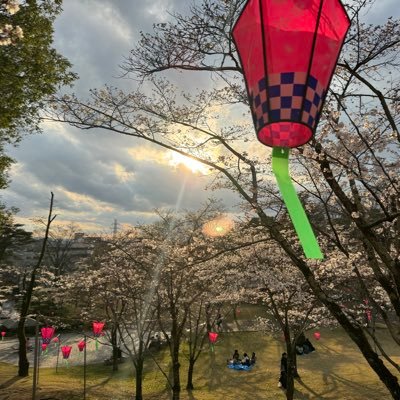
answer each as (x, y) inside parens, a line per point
(176, 386)
(355, 333)
(289, 372)
(295, 372)
(23, 363)
(139, 378)
(115, 349)
(189, 385)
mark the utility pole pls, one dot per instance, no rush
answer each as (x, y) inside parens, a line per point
(84, 368)
(35, 361)
(115, 227)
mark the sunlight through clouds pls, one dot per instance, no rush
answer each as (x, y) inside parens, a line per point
(175, 159)
(123, 175)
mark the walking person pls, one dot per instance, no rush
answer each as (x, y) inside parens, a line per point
(283, 377)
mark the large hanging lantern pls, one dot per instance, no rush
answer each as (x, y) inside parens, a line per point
(47, 333)
(288, 50)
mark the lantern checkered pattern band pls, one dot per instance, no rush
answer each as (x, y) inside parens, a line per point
(287, 99)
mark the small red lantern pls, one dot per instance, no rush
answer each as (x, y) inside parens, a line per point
(212, 336)
(97, 331)
(3, 333)
(44, 347)
(369, 315)
(81, 345)
(97, 328)
(317, 335)
(56, 341)
(66, 351)
(47, 333)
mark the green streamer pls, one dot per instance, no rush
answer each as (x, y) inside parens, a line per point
(280, 167)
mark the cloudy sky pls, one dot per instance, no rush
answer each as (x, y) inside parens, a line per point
(96, 176)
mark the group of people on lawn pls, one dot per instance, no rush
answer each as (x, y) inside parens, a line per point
(246, 360)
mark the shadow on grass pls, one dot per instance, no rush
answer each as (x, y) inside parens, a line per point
(102, 383)
(353, 386)
(10, 382)
(312, 394)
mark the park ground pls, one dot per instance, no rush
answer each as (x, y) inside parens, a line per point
(336, 371)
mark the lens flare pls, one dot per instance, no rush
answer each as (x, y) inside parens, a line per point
(218, 227)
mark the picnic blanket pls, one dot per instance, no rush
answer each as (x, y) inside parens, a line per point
(240, 367)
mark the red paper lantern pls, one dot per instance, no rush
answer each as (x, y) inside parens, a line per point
(212, 337)
(288, 50)
(97, 328)
(66, 351)
(81, 345)
(44, 347)
(3, 333)
(56, 339)
(47, 333)
(369, 315)
(317, 335)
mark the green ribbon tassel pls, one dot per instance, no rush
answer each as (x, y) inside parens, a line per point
(97, 344)
(280, 167)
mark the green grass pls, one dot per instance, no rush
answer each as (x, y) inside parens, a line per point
(335, 371)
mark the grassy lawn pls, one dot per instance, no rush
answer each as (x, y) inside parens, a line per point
(335, 371)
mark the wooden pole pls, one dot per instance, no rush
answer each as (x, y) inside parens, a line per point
(58, 354)
(84, 368)
(40, 352)
(35, 362)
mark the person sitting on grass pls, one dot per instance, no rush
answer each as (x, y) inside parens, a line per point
(245, 360)
(308, 347)
(236, 357)
(253, 359)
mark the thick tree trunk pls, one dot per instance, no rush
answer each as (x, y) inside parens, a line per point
(115, 349)
(176, 383)
(139, 379)
(359, 338)
(23, 363)
(295, 372)
(189, 385)
(289, 373)
(354, 331)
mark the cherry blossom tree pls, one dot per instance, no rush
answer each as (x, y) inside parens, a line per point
(184, 279)
(115, 287)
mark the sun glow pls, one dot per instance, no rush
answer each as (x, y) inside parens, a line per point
(176, 159)
(218, 226)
